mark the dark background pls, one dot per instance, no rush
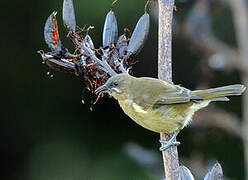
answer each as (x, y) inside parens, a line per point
(47, 133)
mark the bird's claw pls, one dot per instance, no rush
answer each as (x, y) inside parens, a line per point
(167, 144)
(171, 142)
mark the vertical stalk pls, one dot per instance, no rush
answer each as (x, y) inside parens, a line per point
(170, 156)
(245, 123)
(239, 9)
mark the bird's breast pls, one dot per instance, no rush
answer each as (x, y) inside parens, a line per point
(154, 120)
(133, 110)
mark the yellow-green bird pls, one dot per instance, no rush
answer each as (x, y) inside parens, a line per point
(161, 106)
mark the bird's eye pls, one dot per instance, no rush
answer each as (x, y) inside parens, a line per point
(116, 83)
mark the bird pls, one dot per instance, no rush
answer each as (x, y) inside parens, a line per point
(161, 106)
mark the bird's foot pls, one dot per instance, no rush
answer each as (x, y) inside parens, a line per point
(171, 142)
(167, 144)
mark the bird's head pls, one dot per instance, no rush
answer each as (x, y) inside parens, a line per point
(116, 86)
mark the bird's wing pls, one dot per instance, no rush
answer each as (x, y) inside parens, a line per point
(157, 92)
(177, 94)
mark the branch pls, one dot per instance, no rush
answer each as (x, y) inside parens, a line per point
(239, 9)
(170, 156)
(102, 62)
(164, 39)
(197, 27)
(215, 117)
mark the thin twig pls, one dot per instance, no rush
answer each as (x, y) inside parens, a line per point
(103, 63)
(170, 156)
(239, 9)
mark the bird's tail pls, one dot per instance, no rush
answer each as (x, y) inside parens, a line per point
(219, 94)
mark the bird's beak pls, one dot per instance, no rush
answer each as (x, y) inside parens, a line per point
(101, 89)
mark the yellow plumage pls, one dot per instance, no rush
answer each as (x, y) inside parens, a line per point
(161, 106)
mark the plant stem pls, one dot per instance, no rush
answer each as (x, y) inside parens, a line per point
(239, 9)
(170, 156)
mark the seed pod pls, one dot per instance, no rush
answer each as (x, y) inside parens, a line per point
(121, 46)
(54, 61)
(51, 33)
(139, 35)
(110, 30)
(61, 65)
(185, 173)
(69, 15)
(216, 172)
